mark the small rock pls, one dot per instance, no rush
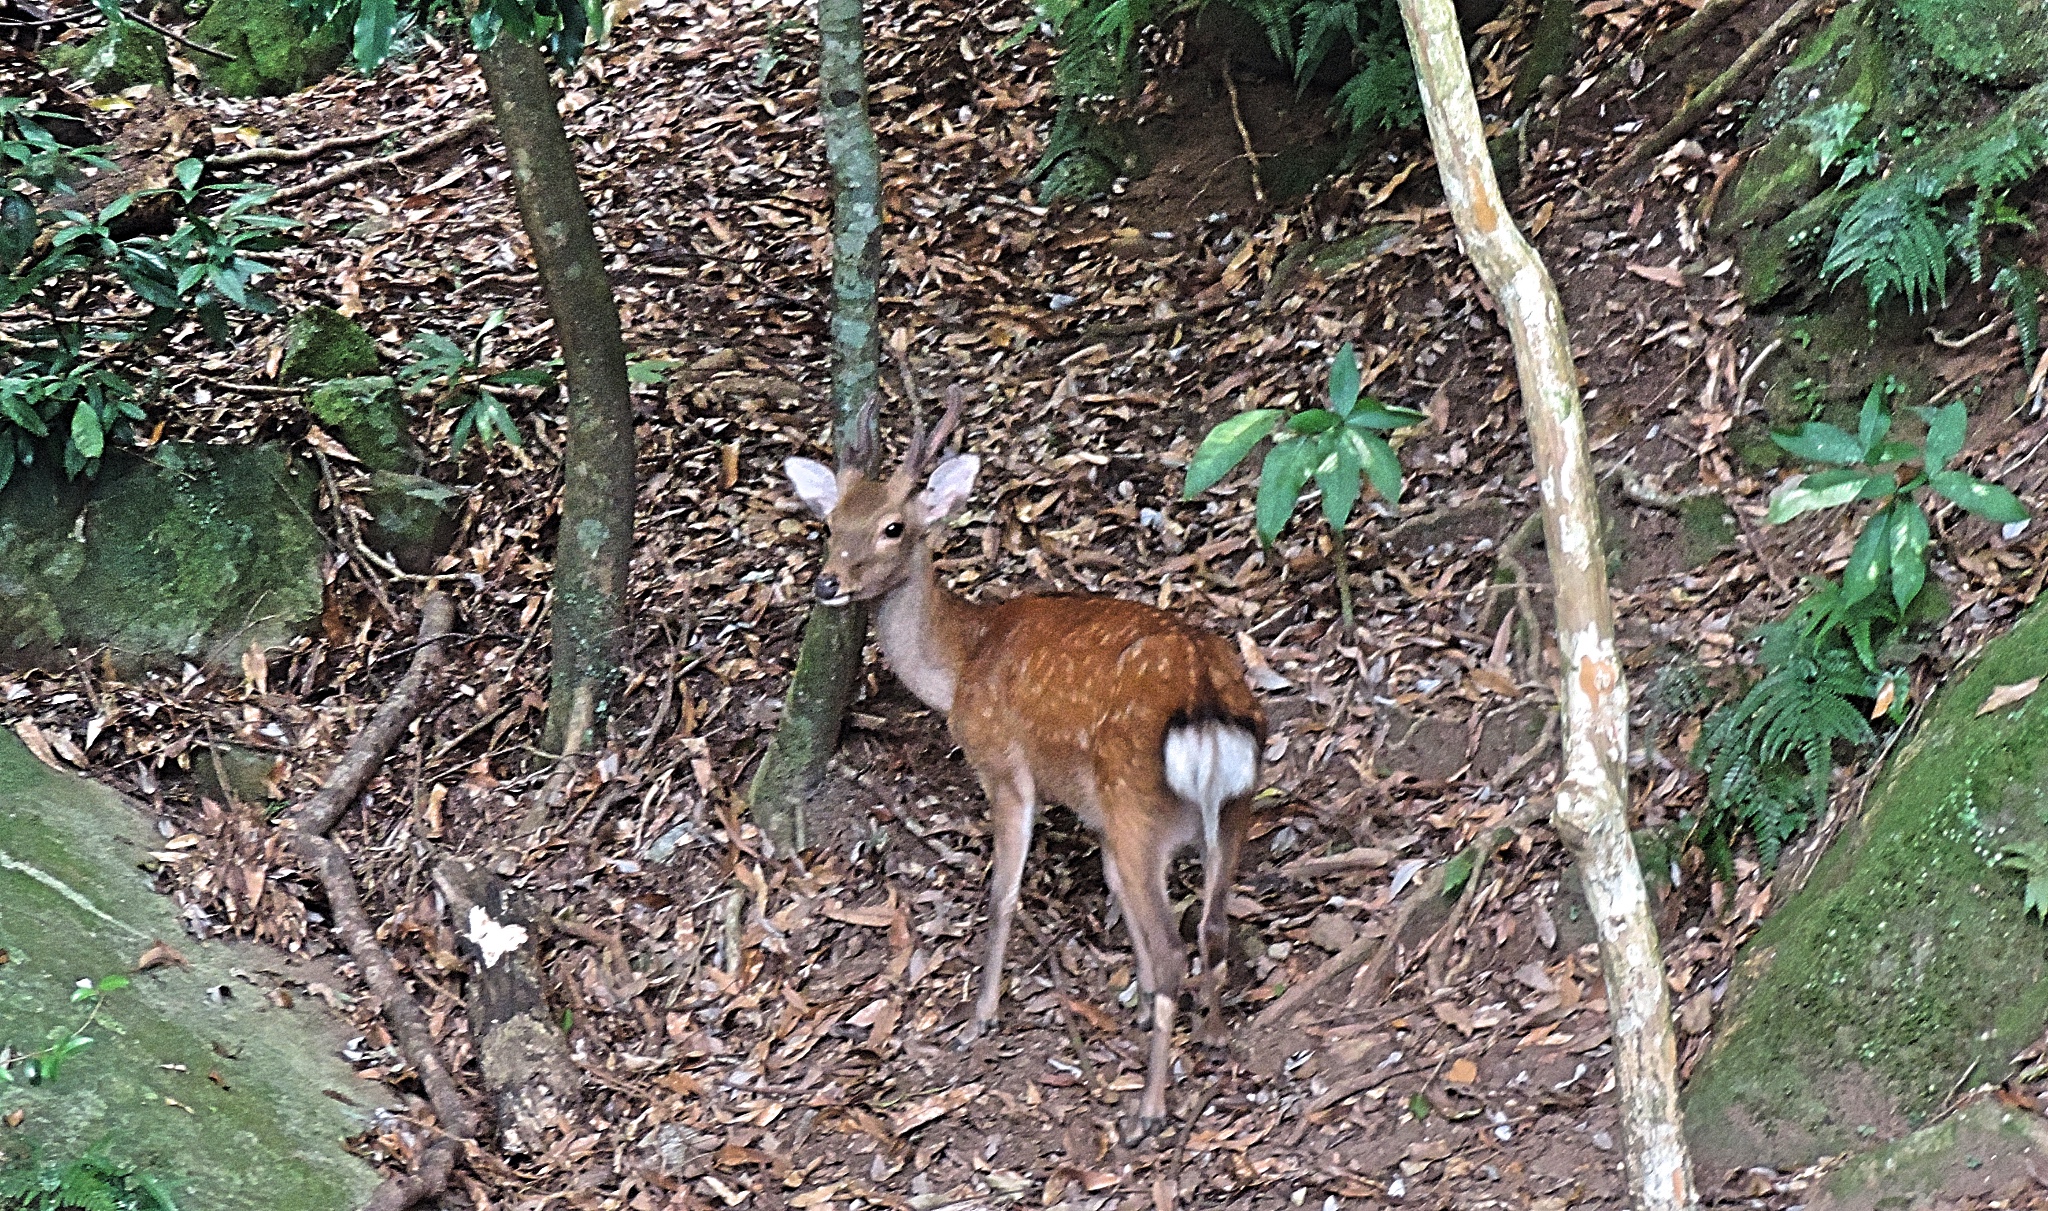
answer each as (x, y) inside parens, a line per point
(1332, 932)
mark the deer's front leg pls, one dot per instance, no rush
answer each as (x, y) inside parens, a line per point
(1013, 808)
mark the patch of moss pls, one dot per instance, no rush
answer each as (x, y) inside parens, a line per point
(369, 418)
(117, 58)
(321, 344)
(274, 50)
(1706, 528)
(1908, 957)
(2001, 42)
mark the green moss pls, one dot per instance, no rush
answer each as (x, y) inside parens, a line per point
(194, 1075)
(274, 51)
(368, 417)
(2001, 42)
(413, 518)
(1706, 528)
(117, 58)
(1552, 48)
(321, 343)
(1908, 957)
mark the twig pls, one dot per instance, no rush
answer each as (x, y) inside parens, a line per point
(367, 751)
(1749, 373)
(313, 150)
(1427, 885)
(1703, 103)
(1237, 116)
(362, 168)
(180, 39)
(1660, 51)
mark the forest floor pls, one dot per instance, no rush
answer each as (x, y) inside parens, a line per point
(775, 1033)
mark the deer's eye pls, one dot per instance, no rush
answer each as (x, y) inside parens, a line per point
(893, 530)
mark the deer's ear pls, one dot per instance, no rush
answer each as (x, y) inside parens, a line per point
(948, 487)
(816, 484)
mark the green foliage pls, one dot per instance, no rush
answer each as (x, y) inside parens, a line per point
(1947, 200)
(372, 27)
(456, 378)
(1769, 755)
(93, 1182)
(1869, 465)
(2023, 287)
(1339, 447)
(65, 380)
(2030, 857)
(1099, 39)
(37, 1067)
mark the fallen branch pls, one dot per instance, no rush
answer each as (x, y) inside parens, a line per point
(1525, 759)
(1659, 52)
(1703, 103)
(313, 150)
(1237, 115)
(306, 829)
(362, 168)
(371, 745)
(1426, 885)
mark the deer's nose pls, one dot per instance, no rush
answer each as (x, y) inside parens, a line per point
(826, 588)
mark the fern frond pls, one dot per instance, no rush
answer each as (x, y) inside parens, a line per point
(1892, 236)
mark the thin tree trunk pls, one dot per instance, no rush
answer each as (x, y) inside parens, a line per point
(821, 687)
(594, 546)
(1590, 813)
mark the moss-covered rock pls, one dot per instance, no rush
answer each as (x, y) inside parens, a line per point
(1909, 958)
(413, 518)
(321, 343)
(368, 418)
(1706, 528)
(195, 552)
(235, 1100)
(1985, 1150)
(275, 51)
(2001, 42)
(119, 57)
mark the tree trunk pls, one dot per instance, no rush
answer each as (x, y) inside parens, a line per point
(822, 685)
(594, 546)
(1590, 813)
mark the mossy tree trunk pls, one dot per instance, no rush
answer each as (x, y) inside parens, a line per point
(827, 667)
(593, 549)
(1590, 813)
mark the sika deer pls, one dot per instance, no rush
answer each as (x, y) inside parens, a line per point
(1137, 721)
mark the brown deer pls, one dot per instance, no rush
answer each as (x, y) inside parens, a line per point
(1138, 722)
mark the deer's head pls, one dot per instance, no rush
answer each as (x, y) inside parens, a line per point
(876, 525)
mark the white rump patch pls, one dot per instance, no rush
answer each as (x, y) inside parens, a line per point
(1209, 764)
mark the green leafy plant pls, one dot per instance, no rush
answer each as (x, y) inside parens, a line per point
(1770, 755)
(2031, 858)
(93, 1182)
(1870, 465)
(456, 378)
(40, 1066)
(1340, 447)
(67, 374)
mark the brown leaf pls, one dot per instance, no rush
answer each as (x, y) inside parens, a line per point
(32, 736)
(1667, 275)
(1496, 680)
(158, 955)
(1462, 1072)
(1454, 1016)
(878, 916)
(923, 1111)
(2005, 695)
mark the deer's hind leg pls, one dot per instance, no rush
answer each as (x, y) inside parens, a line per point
(1136, 851)
(1219, 871)
(1013, 808)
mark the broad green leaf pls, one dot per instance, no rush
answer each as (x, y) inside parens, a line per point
(1882, 486)
(1344, 380)
(188, 171)
(85, 432)
(1909, 551)
(1985, 500)
(1945, 428)
(1337, 475)
(1791, 500)
(1381, 466)
(17, 228)
(1372, 414)
(1315, 420)
(1874, 421)
(375, 19)
(1225, 447)
(1894, 452)
(1820, 442)
(1281, 476)
(1869, 561)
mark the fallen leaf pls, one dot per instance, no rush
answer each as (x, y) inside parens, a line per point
(923, 1111)
(877, 916)
(1456, 1018)
(1496, 680)
(158, 955)
(1667, 275)
(1462, 1072)
(2005, 695)
(1256, 670)
(32, 736)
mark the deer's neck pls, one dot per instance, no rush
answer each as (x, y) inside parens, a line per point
(924, 630)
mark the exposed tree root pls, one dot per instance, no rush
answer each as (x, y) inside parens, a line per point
(362, 168)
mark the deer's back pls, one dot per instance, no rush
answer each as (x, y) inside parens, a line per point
(1083, 689)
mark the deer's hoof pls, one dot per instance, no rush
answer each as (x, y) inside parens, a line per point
(970, 1034)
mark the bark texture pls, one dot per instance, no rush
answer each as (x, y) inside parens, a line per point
(1590, 813)
(828, 665)
(593, 548)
